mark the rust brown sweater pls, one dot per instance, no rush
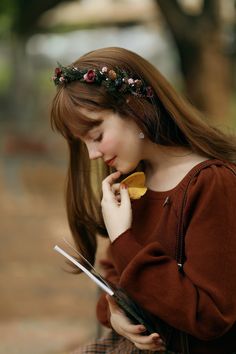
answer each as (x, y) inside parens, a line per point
(202, 301)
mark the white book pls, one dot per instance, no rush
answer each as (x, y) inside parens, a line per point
(97, 279)
(130, 307)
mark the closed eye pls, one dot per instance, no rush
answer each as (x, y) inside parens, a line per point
(99, 138)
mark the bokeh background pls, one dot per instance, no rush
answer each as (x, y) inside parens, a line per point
(43, 308)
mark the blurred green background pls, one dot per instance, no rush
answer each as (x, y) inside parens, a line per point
(43, 309)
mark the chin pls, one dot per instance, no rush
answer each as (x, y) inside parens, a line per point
(126, 169)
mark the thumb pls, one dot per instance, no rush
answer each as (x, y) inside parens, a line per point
(112, 304)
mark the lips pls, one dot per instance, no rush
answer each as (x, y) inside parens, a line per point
(111, 161)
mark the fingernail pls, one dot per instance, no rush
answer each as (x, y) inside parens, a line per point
(142, 329)
(159, 341)
(123, 186)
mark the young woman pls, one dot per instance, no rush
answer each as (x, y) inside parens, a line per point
(119, 115)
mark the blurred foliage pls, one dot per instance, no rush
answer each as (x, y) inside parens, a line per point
(21, 16)
(233, 110)
(7, 13)
(5, 76)
(8, 7)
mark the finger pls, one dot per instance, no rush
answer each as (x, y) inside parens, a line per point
(135, 329)
(109, 181)
(112, 304)
(127, 326)
(124, 195)
(116, 188)
(117, 197)
(116, 191)
(151, 347)
(152, 342)
(151, 339)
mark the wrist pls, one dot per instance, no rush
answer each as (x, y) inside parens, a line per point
(115, 236)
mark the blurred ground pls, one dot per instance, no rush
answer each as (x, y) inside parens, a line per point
(43, 309)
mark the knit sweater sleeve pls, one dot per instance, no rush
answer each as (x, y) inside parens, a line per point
(111, 276)
(202, 299)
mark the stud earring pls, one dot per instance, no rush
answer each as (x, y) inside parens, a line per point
(141, 135)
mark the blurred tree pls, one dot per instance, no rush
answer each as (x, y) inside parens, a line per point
(22, 21)
(24, 14)
(204, 63)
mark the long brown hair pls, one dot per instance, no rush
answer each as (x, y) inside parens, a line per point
(167, 119)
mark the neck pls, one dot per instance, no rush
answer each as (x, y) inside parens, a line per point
(165, 167)
(159, 157)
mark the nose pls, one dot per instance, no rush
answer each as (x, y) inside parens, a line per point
(93, 152)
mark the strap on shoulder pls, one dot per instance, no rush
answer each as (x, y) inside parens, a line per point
(179, 251)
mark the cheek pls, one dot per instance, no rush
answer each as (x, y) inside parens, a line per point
(110, 143)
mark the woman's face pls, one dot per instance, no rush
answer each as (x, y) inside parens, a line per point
(116, 140)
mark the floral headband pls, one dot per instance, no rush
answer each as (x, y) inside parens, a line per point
(115, 81)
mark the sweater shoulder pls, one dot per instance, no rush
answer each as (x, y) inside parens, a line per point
(215, 175)
(208, 179)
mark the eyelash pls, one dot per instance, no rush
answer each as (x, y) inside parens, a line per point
(99, 138)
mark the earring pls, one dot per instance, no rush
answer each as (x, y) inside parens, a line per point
(141, 135)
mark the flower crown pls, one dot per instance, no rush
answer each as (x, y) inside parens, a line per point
(115, 81)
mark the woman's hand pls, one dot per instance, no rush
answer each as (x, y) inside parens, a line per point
(134, 333)
(116, 210)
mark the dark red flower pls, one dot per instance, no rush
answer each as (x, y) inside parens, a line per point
(149, 92)
(90, 76)
(58, 72)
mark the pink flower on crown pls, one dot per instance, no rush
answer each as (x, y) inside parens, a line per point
(104, 69)
(90, 76)
(149, 92)
(58, 72)
(62, 79)
(130, 81)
